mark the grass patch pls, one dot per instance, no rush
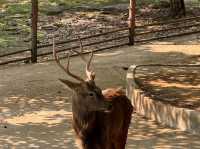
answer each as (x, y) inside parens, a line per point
(6, 41)
(74, 3)
(18, 8)
(46, 5)
(12, 9)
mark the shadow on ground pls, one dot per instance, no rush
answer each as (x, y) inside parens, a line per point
(179, 86)
(36, 108)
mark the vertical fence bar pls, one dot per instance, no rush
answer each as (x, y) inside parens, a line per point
(131, 21)
(34, 15)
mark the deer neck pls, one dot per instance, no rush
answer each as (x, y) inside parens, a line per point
(84, 119)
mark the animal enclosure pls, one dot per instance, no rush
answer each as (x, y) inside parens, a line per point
(135, 27)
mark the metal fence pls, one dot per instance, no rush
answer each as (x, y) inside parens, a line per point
(141, 28)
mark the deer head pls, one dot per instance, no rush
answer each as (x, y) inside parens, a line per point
(86, 95)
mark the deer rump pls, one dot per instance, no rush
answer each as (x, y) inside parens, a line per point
(106, 130)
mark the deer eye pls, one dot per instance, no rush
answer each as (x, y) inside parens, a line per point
(91, 94)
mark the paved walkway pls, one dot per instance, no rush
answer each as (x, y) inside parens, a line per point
(37, 107)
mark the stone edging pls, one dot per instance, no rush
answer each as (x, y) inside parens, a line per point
(182, 118)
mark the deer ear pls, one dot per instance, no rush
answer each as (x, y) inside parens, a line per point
(71, 85)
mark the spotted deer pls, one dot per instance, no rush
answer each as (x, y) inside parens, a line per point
(100, 118)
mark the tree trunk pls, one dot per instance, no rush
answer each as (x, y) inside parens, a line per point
(177, 8)
(34, 16)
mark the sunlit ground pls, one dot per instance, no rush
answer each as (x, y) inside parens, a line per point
(52, 129)
(36, 109)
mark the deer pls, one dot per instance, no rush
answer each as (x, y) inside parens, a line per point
(100, 118)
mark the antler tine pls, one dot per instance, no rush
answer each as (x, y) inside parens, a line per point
(81, 53)
(62, 67)
(90, 74)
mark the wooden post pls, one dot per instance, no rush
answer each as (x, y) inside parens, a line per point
(131, 21)
(34, 15)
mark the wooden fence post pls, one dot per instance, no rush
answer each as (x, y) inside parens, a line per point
(34, 17)
(131, 21)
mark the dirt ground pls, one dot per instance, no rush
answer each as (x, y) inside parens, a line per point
(36, 109)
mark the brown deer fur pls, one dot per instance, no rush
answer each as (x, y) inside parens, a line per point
(99, 130)
(100, 118)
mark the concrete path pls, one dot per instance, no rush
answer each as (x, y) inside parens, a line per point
(36, 108)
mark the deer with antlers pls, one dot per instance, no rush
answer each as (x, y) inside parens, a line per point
(100, 118)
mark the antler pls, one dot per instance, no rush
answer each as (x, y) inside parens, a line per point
(89, 73)
(62, 67)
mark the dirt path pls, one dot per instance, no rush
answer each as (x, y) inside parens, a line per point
(37, 107)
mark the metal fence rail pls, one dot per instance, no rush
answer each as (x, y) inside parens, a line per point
(130, 35)
(76, 40)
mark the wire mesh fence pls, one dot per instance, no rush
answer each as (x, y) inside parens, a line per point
(66, 21)
(155, 21)
(56, 19)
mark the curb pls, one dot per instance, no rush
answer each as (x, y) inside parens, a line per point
(175, 117)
